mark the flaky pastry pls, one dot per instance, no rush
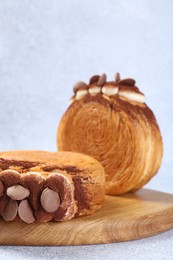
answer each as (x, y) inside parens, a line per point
(112, 123)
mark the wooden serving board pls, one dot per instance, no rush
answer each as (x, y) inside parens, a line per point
(122, 218)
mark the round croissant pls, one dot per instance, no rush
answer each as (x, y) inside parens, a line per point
(110, 122)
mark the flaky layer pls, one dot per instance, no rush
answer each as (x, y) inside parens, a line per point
(39, 186)
(119, 130)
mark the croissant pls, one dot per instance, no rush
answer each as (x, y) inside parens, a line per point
(39, 186)
(111, 122)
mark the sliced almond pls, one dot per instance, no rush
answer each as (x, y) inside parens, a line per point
(50, 200)
(18, 192)
(25, 212)
(117, 77)
(1, 188)
(102, 80)
(94, 79)
(10, 211)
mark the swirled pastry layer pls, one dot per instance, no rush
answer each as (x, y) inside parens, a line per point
(115, 126)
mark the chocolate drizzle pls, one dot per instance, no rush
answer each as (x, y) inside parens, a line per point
(5, 164)
(52, 168)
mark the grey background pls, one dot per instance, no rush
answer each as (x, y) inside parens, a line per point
(48, 45)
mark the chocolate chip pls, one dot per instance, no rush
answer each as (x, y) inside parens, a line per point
(94, 79)
(128, 82)
(50, 200)
(79, 85)
(17, 192)
(102, 80)
(25, 212)
(10, 211)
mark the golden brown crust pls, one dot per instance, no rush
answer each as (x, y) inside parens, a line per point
(77, 178)
(119, 131)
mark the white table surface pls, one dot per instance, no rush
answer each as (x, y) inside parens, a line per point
(45, 47)
(158, 247)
